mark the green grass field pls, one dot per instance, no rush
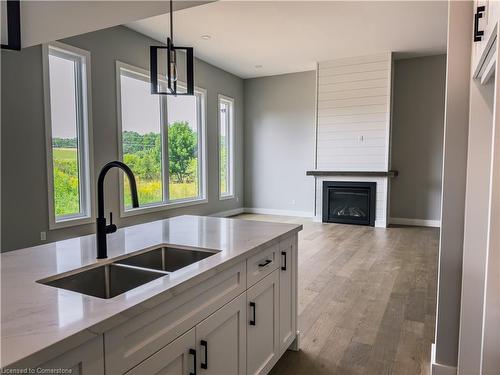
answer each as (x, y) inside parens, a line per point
(151, 191)
(66, 185)
(64, 154)
(66, 189)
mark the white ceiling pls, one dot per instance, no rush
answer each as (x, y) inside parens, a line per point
(291, 36)
(45, 21)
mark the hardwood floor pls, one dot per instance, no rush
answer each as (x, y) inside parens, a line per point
(367, 299)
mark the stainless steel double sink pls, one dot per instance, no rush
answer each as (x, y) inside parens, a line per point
(112, 279)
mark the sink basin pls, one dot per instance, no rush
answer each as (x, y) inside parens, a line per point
(106, 281)
(113, 279)
(166, 258)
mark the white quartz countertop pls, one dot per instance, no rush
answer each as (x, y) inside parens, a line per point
(37, 321)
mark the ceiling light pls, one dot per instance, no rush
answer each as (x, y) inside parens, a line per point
(206, 37)
(172, 70)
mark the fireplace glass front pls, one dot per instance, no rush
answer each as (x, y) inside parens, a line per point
(349, 202)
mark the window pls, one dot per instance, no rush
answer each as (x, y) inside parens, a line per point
(68, 134)
(162, 141)
(141, 138)
(226, 147)
(184, 139)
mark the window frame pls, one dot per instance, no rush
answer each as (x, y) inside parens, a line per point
(231, 130)
(166, 204)
(83, 85)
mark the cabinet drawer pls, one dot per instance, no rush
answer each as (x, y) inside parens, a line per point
(132, 342)
(262, 264)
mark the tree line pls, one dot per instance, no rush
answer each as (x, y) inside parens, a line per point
(64, 142)
(143, 152)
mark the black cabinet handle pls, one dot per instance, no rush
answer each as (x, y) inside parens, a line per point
(204, 365)
(283, 268)
(193, 353)
(266, 262)
(478, 34)
(253, 320)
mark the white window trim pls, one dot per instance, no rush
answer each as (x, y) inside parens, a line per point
(85, 136)
(161, 206)
(231, 169)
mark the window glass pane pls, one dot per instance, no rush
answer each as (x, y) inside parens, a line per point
(141, 140)
(63, 109)
(183, 147)
(224, 148)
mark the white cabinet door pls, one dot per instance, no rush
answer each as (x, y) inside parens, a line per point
(221, 340)
(144, 334)
(288, 293)
(486, 24)
(263, 322)
(177, 358)
(87, 359)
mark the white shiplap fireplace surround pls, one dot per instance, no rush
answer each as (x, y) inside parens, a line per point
(353, 127)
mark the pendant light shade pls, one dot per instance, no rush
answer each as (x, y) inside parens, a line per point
(172, 67)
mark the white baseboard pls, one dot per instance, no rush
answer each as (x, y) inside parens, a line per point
(439, 369)
(318, 219)
(415, 222)
(269, 211)
(228, 213)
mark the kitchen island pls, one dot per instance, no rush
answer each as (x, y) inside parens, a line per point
(234, 311)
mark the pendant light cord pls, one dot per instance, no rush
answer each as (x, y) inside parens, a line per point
(171, 22)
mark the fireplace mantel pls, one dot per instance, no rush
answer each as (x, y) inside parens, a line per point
(352, 173)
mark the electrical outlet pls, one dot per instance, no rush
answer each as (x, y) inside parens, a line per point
(237, 198)
(361, 138)
(293, 202)
(43, 236)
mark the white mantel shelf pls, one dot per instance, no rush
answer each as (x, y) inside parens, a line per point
(353, 173)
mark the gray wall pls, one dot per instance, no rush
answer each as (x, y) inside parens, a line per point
(279, 141)
(24, 180)
(417, 137)
(279, 127)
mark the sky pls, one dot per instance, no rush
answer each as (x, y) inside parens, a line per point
(62, 97)
(140, 109)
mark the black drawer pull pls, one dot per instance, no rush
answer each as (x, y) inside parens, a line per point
(283, 268)
(193, 353)
(253, 320)
(204, 365)
(266, 262)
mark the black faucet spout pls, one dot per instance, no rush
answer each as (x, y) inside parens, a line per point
(101, 228)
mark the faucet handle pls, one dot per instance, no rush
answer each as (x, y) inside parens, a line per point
(111, 228)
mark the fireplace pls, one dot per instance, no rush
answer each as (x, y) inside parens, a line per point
(349, 202)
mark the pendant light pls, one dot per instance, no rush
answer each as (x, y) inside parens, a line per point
(172, 69)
